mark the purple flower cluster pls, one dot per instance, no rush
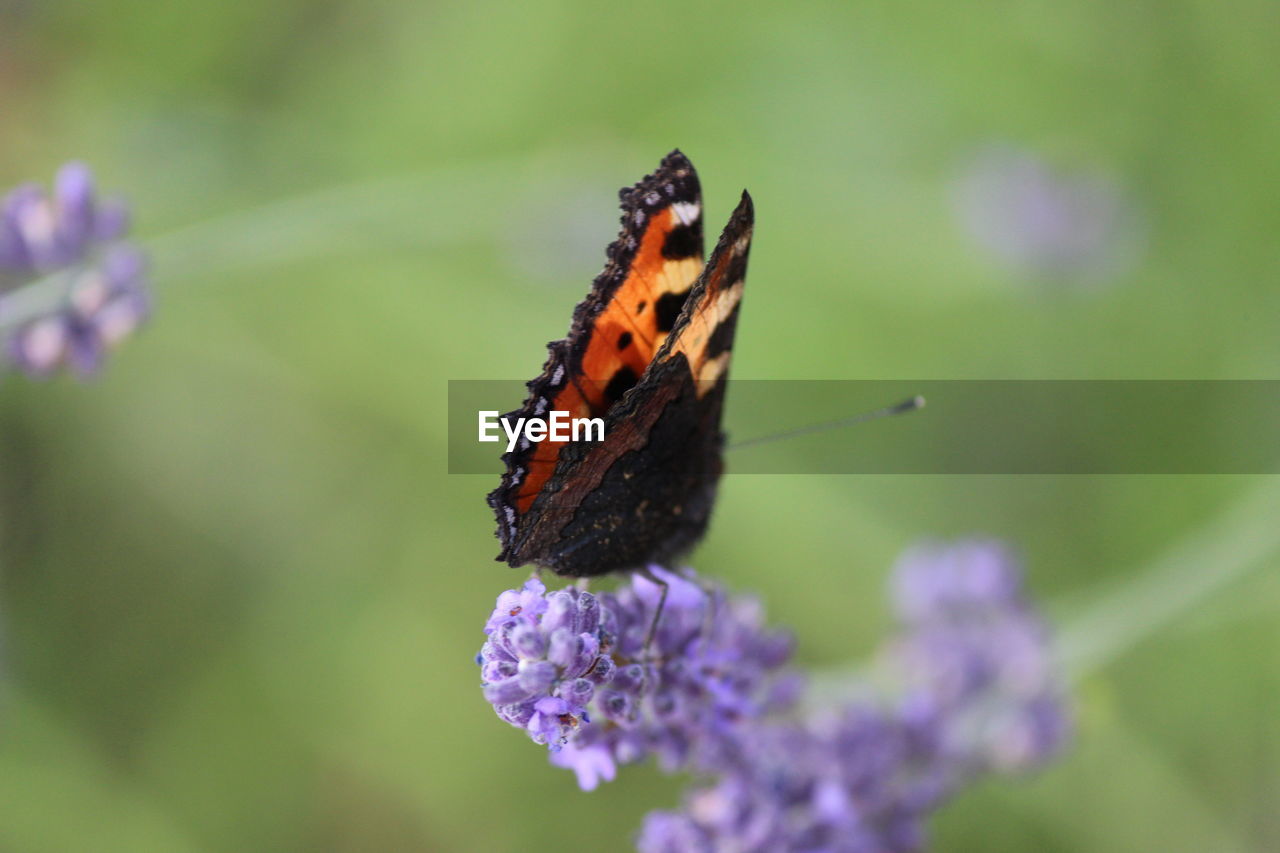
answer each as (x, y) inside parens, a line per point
(968, 687)
(572, 670)
(855, 780)
(974, 648)
(977, 692)
(1038, 221)
(70, 241)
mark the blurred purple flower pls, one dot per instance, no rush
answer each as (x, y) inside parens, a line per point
(73, 236)
(1065, 228)
(978, 651)
(570, 668)
(858, 780)
(977, 693)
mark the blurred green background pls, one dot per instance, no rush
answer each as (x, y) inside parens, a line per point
(241, 596)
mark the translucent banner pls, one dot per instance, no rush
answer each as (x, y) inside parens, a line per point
(967, 427)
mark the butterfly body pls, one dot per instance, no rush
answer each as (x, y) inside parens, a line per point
(648, 352)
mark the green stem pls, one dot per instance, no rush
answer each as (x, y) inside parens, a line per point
(40, 297)
(425, 209)
(1242, 540)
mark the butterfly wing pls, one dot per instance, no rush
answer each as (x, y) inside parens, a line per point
(645, 493)
(616, 330)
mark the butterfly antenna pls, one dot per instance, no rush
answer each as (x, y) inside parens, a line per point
(911, 405)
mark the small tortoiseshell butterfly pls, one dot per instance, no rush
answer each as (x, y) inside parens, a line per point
(648, 352)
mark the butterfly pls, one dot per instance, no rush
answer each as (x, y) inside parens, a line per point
(648, 352)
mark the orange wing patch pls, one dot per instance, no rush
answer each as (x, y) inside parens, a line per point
(542, 462)
(632, 326)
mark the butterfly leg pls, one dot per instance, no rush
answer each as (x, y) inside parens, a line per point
(709, 610)
(657, 614)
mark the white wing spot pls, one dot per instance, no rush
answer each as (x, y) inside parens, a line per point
(639, 217)
(686, 211)
(557, 376)
(540, 406)
(652, 199)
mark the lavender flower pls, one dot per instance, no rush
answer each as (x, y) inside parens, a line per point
(977, 692)
(859, 780)
(1065, 228)
(972, 691)
(66, 246)
(570, 668)
(978, 651)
